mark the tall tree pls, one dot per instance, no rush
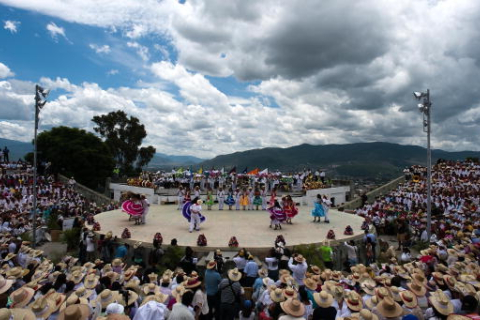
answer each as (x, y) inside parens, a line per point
(124, 136)
(75, 152)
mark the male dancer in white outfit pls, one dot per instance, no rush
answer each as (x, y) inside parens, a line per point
(220, 198)
(195, 210)
(250, 198)
(181, 197)
(237, 195)
(326, 203)
(146, 207)
(263, 194)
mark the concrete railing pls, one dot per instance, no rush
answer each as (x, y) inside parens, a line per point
(88, 193)
(380, 191)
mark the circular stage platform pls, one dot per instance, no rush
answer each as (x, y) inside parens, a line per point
(251, 228)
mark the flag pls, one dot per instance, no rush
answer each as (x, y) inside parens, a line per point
(254, 172)
(233, 170)
(180, 170)
(245, 170)
(264, 171)
(200, 171)
(223, 170)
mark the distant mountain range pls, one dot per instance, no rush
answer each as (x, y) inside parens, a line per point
(378, 160)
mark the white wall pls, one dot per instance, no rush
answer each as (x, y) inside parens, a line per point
(339, 193)
(118, 188)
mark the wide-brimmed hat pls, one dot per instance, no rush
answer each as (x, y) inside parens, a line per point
(234, 274)
(73, 299)
(9, 256)
(293, 307)
(106, 297)
(127, 275)
(192, 283)
(389, 308)
(368, 286)
(117, 263)
(16, 313)
(354, 301)
(21, 297)
(16, 273)
(316, 269)
(133, 284)
(159, 297)
(76, 276)
(112, 275)
(365, 314)
(372, 302)
(42, 307)
(132, 297)
(289, 292)
(457, 317)
(263, 272)
(57, 298)
(450, 281)
(75, 312)
(409, 299)
(151, 288)
(338, 292)
(83, 292)
(277, 295)
(418, 288)
(299, 258)
(441, 303)
(382, 293)
(438, 278)
(90, 281)
(212, 264)
(310, 284)
(395, 293)
(323, 299)
(178, 292)
(5, 284)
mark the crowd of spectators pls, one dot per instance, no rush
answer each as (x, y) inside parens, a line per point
(440, 282)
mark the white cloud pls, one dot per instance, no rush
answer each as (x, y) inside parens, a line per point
(55, 30)
(100, 49)
(142, 51)
(112, 72)
(11, 25)
(5, 71)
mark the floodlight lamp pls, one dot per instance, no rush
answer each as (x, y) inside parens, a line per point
(421, 107)
(418, 95)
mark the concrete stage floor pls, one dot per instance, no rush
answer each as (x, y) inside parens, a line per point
(250, 227)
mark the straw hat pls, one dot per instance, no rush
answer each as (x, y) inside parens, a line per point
(90, 281)
(409, 299)
(372, 302)
(178, 293)
(212, 264)
(323, 299)
(133, 284)
(365, 314)
(263, 272)
(16, 313)
(17, 273)
(395, 293)
(132, 297)
(57, 298)
(21, 297)
(354, 301)
(316, 269)
(82, 292)
(277, 295)
(5, 268)
(159, 297)
(450, 281)
(112, 275)
(234, 275)
(117, 262)
(192, 283)
(5, 284)
(129, 273)
(73, 299)
(382, 293)
(293, 307)
(310, 284)
(418, 288)
(289, 293)
(75, 312)
(106, 268)
(338, 292)
(165, 279)
(76, 277)
(150, 288)
(438, 278)
(106, 297)
(389, 308)
(368, 286)
(9, 256)
(441, 303)
(299, 258)
(42, 307)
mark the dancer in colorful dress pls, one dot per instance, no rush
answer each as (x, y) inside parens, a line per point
(209, 201)
(181, 197)
(237, 195)
(289, 208)
(196, 192)
(257, 201)
(244, 199)
(187, 196)
(134, 207)
(230, 201)
(273, 197)
(220, 198)
(277, 215)
(317, 211)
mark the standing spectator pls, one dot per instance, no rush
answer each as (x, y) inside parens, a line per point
(230, 295)
(251, 272)
(6, 152)
(373, 240)
(121, 251)
(212, 280)
(90, 246)
(181, 311)
(299, 266)
(351, 253)
(327, 254)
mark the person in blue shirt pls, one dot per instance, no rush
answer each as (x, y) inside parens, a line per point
(373, 240)
(250, 271)
(212, 280)
(121, 251)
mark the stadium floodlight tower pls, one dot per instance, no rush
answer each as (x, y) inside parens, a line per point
(40, 101)
(425, 108)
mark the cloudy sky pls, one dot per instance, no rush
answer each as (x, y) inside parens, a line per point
(213, 77)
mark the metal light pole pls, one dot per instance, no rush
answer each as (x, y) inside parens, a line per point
(425, 108)
(40, 100)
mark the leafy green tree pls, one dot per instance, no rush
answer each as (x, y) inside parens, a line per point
(124, 136)
(77, 153)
